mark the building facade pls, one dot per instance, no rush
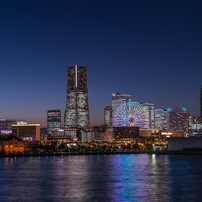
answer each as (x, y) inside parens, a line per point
(178, 119)
(108, 115)
(126, 133)
(77, 111)
(161, 119)
(195, 123)
(117, 100)
(53, 120)
(29, 132)
(10, 143)
(149, 107)
(6, 125)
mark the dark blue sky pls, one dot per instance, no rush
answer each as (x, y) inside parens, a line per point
(149, 49)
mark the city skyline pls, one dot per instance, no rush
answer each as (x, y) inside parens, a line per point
(149, 50)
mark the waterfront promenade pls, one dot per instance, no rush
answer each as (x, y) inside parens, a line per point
(37, 154)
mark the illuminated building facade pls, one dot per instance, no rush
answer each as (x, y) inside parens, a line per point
(201, 100)
(178, 119)
(77, 111)
(29, 132)
(10, 143)
(53, 120)
(149, 107)
(108, 115)
(87, 136)
(6, 125)
(126, 133)
(161, 119)
(119, 99)
(195, 123)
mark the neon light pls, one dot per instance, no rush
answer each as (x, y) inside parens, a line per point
(184, 109)
(131, 113)
(169, 109)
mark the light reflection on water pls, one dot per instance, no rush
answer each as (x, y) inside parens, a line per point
(102, 178)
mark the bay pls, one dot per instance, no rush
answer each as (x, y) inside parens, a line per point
(131, 177)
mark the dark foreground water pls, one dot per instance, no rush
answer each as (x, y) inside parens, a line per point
(102, 178)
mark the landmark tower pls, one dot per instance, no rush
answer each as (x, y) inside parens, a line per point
(77, 111)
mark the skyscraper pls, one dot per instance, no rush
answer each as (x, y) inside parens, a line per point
(160, 119)
(53, 120)
(119, 99)
(201, 100)
(77, 111)
(108, 115)
(150, 109)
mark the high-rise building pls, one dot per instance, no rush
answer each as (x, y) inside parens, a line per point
(161, 119)
(53, 120)
(119, 99)
(108, 115)
(77, 111)
(149, 107)
(178, 119)
(201, 100)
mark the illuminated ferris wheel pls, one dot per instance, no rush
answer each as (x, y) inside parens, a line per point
(131, 114)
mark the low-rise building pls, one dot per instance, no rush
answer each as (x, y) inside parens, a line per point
(29, 132)
(126, 133)
(6, 125)
(11, 143)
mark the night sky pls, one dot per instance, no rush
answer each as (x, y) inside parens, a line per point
(150, 49)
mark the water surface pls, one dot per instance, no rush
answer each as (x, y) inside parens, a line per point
(131, 177)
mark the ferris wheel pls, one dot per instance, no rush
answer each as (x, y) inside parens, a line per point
(131, 114)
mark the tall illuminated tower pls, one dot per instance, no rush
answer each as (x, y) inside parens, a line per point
(201, 100)
(77, 112)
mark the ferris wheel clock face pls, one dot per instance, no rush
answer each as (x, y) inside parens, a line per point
(131, 114)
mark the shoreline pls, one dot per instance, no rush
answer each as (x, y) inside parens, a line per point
(41, 154)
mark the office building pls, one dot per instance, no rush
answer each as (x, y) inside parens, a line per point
(149, 107)
(29, 132)
(87, 136)
(6, 125)
(161, 119)
(77, 111)
(53, 121)
(108, 115)
(178, 119)
(119, 99)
